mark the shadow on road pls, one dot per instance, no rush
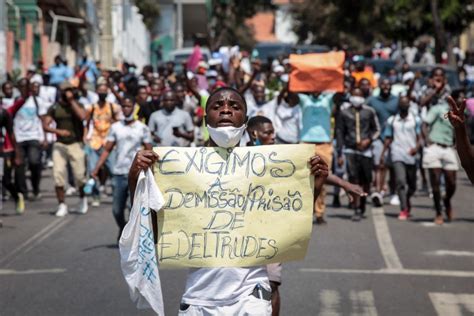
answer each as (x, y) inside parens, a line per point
(108, 246)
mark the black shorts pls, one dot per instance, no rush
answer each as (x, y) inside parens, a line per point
(359, 168)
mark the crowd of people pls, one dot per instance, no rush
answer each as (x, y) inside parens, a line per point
(382, 133)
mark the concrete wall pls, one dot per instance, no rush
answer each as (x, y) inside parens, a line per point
(131, 38)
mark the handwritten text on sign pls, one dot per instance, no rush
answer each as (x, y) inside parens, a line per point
(242, 207)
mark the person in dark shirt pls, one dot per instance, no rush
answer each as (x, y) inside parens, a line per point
(356, 128)
(69, 115)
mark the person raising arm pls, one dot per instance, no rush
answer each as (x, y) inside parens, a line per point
(465, 151)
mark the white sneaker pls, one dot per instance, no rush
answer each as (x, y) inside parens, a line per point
(62, 210)
(71, 191)
(377, 199)
(50, 164)
(95, 202)
(395, 200)
(83, 206)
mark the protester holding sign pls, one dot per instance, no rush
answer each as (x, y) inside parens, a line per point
(218, 291)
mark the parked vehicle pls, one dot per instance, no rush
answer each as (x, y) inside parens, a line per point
(269, 51)
(425, 71)
(381, 66)
(178, 56)
(310, 49)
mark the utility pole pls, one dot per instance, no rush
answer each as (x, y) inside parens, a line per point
(3, 40)
(106, 37)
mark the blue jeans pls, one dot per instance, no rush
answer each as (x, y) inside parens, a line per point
(120, 195)
(92, 159)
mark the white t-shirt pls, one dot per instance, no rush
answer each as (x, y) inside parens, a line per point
(285, 119)
(7, 102)
(128, 140)
(404, 134)
(223, 286)
(469, 72)
(90, 98)
(26, 124)
(48, 93)
(161, 124)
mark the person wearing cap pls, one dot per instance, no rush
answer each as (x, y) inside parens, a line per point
(58, 72)
(69, 115)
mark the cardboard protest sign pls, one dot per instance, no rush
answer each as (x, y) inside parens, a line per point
(317, 72)
(227, 208)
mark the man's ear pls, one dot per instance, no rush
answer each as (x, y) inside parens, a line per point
(252, 134)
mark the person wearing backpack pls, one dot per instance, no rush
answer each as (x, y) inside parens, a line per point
(100, 117)
(30, 138)
(69, 115)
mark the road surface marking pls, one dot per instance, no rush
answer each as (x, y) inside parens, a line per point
(363, 303)
(34, 240)
(46, 235)
(414, 272)
(452, 304)
(387, 248)
(429, 224)
(450, 253)
(31, 271)
(330, 301)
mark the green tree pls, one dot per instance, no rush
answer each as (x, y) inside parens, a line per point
(443, 19)
(360, 23)
(150, 10)
(227, 21)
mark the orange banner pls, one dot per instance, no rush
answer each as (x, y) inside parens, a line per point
(317, 72)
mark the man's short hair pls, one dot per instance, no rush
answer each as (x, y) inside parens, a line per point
(435, 69)
(257, 121)
(224, 89)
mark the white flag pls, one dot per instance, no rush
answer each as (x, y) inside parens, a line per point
(137, 248)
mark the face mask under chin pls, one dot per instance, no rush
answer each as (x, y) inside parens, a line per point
(226, 137)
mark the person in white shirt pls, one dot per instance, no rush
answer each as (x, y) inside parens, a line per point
(285, 114)
(403, 136)
(30, 139)
(127, 136)
(225, 291)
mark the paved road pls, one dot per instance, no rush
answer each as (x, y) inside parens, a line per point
(380, 266)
